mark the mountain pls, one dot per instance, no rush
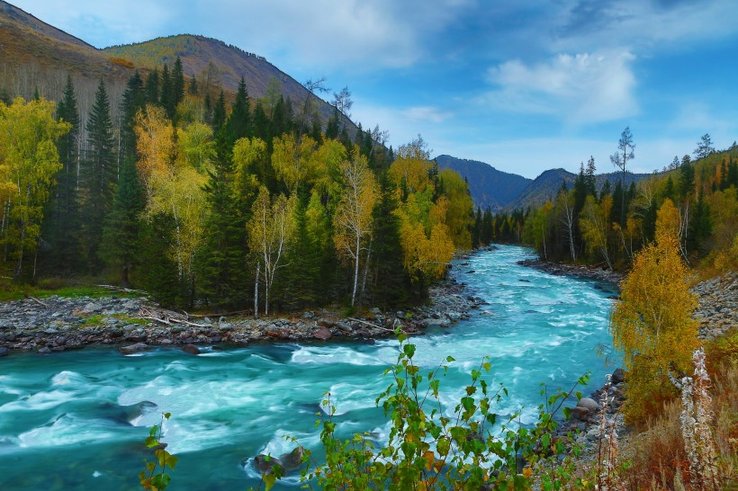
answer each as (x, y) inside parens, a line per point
(490, 188)
(503, 191)
(547, 185)
(37, 56)
(213, 61)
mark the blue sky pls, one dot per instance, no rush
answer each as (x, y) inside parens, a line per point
(524, 85)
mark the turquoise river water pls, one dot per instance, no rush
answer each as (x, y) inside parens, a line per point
(77, 420)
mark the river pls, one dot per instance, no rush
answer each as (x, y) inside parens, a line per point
(67, 420)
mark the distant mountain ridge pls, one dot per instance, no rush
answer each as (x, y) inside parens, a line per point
(502, 191)
(37, 56)
(489, 187)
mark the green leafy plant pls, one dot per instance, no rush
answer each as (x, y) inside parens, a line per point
(432, 447)
(154, 477)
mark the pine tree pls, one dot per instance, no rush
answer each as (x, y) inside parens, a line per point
(152, 87)
(178, 83)
(301, 278)
(122, 227)
(391, 282)
(99, 173)
(134, 99)
(192, 88)
(239, 124)
(219, 113)
(167, 92)
(62, 224)
(221, 261)
(159, 277)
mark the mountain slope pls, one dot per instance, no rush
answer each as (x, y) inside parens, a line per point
(490, 188)
(547, 185)
(37, 56)
(213, 61)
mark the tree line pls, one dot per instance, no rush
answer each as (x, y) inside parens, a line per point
(608, 226)
(224, 205)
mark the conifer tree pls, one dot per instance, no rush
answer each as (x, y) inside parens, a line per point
(219, 113)
(302, 274)
(122, 228)
(178, 83)
(99, 174)
(152, 87)
(167, 92)
(62, 224)
(221, 260)
(239, 124)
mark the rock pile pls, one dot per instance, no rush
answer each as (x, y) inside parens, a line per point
(718, 305)
(577, 270)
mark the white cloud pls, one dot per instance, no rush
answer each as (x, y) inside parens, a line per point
(581, 88)
(425, 114)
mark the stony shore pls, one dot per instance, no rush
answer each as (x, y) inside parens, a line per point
(134, 324)
(576, 270)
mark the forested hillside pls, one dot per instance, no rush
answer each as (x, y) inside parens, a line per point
(609, 224)
(204, 203)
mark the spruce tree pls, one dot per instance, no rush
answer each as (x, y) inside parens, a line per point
(62, 223)
(167, 92)
(152, 87)
(98, 175)
(134, 99)
(219, 113)
(221, 260)
(391, 283)
(159, 277)
(122, 227)
(239, 124)
(301, 278)
(178, 83)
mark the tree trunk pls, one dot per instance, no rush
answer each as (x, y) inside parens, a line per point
(256, 292)
(356, 269)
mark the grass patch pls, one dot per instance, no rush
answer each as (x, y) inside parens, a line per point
(92, 321)
(10, 290)
(128, 319)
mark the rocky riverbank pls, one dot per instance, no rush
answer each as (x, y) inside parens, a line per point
(576, 270)
(718, 305)
(58, 323)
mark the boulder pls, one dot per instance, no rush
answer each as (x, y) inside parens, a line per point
(292, 460)
(265, 463)
(3, 351)
(45, 350)
(323, 334)
(133, 348)
(618, 376)
(580, 413)
(588, 403)
(191, 349)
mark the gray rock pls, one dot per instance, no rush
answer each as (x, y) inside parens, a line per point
(45, 350)
(3, 351)
(589, 403)
(580, 413)
(322, 334)
(134, 348)
(191, 349)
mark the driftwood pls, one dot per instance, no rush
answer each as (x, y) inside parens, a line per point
(123, 290)
(370, 324)
(43, 304)
(166, 317)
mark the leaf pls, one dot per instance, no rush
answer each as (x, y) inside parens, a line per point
(409, 350)
(450, 359)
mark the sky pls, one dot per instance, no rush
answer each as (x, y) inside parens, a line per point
(524, 85)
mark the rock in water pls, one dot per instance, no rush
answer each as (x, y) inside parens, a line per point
(322, 334)
(618, 376)
(588, 403)
(265, 463)
(133, 348)
(292, 460)
(3, 351)
(191, 349)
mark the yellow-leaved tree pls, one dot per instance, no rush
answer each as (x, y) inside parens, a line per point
(173, 165)
(353, 218)
(270, 231)
(652, 323)
(29, 161)
(594, 222)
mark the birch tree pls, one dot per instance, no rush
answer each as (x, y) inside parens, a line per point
(353, 218)
(270, 231)
(29, 161)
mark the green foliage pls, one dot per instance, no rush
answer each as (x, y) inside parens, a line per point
(154, 477)
(431, 446)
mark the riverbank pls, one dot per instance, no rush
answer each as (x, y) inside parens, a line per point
(575, 270)
(135, 324)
